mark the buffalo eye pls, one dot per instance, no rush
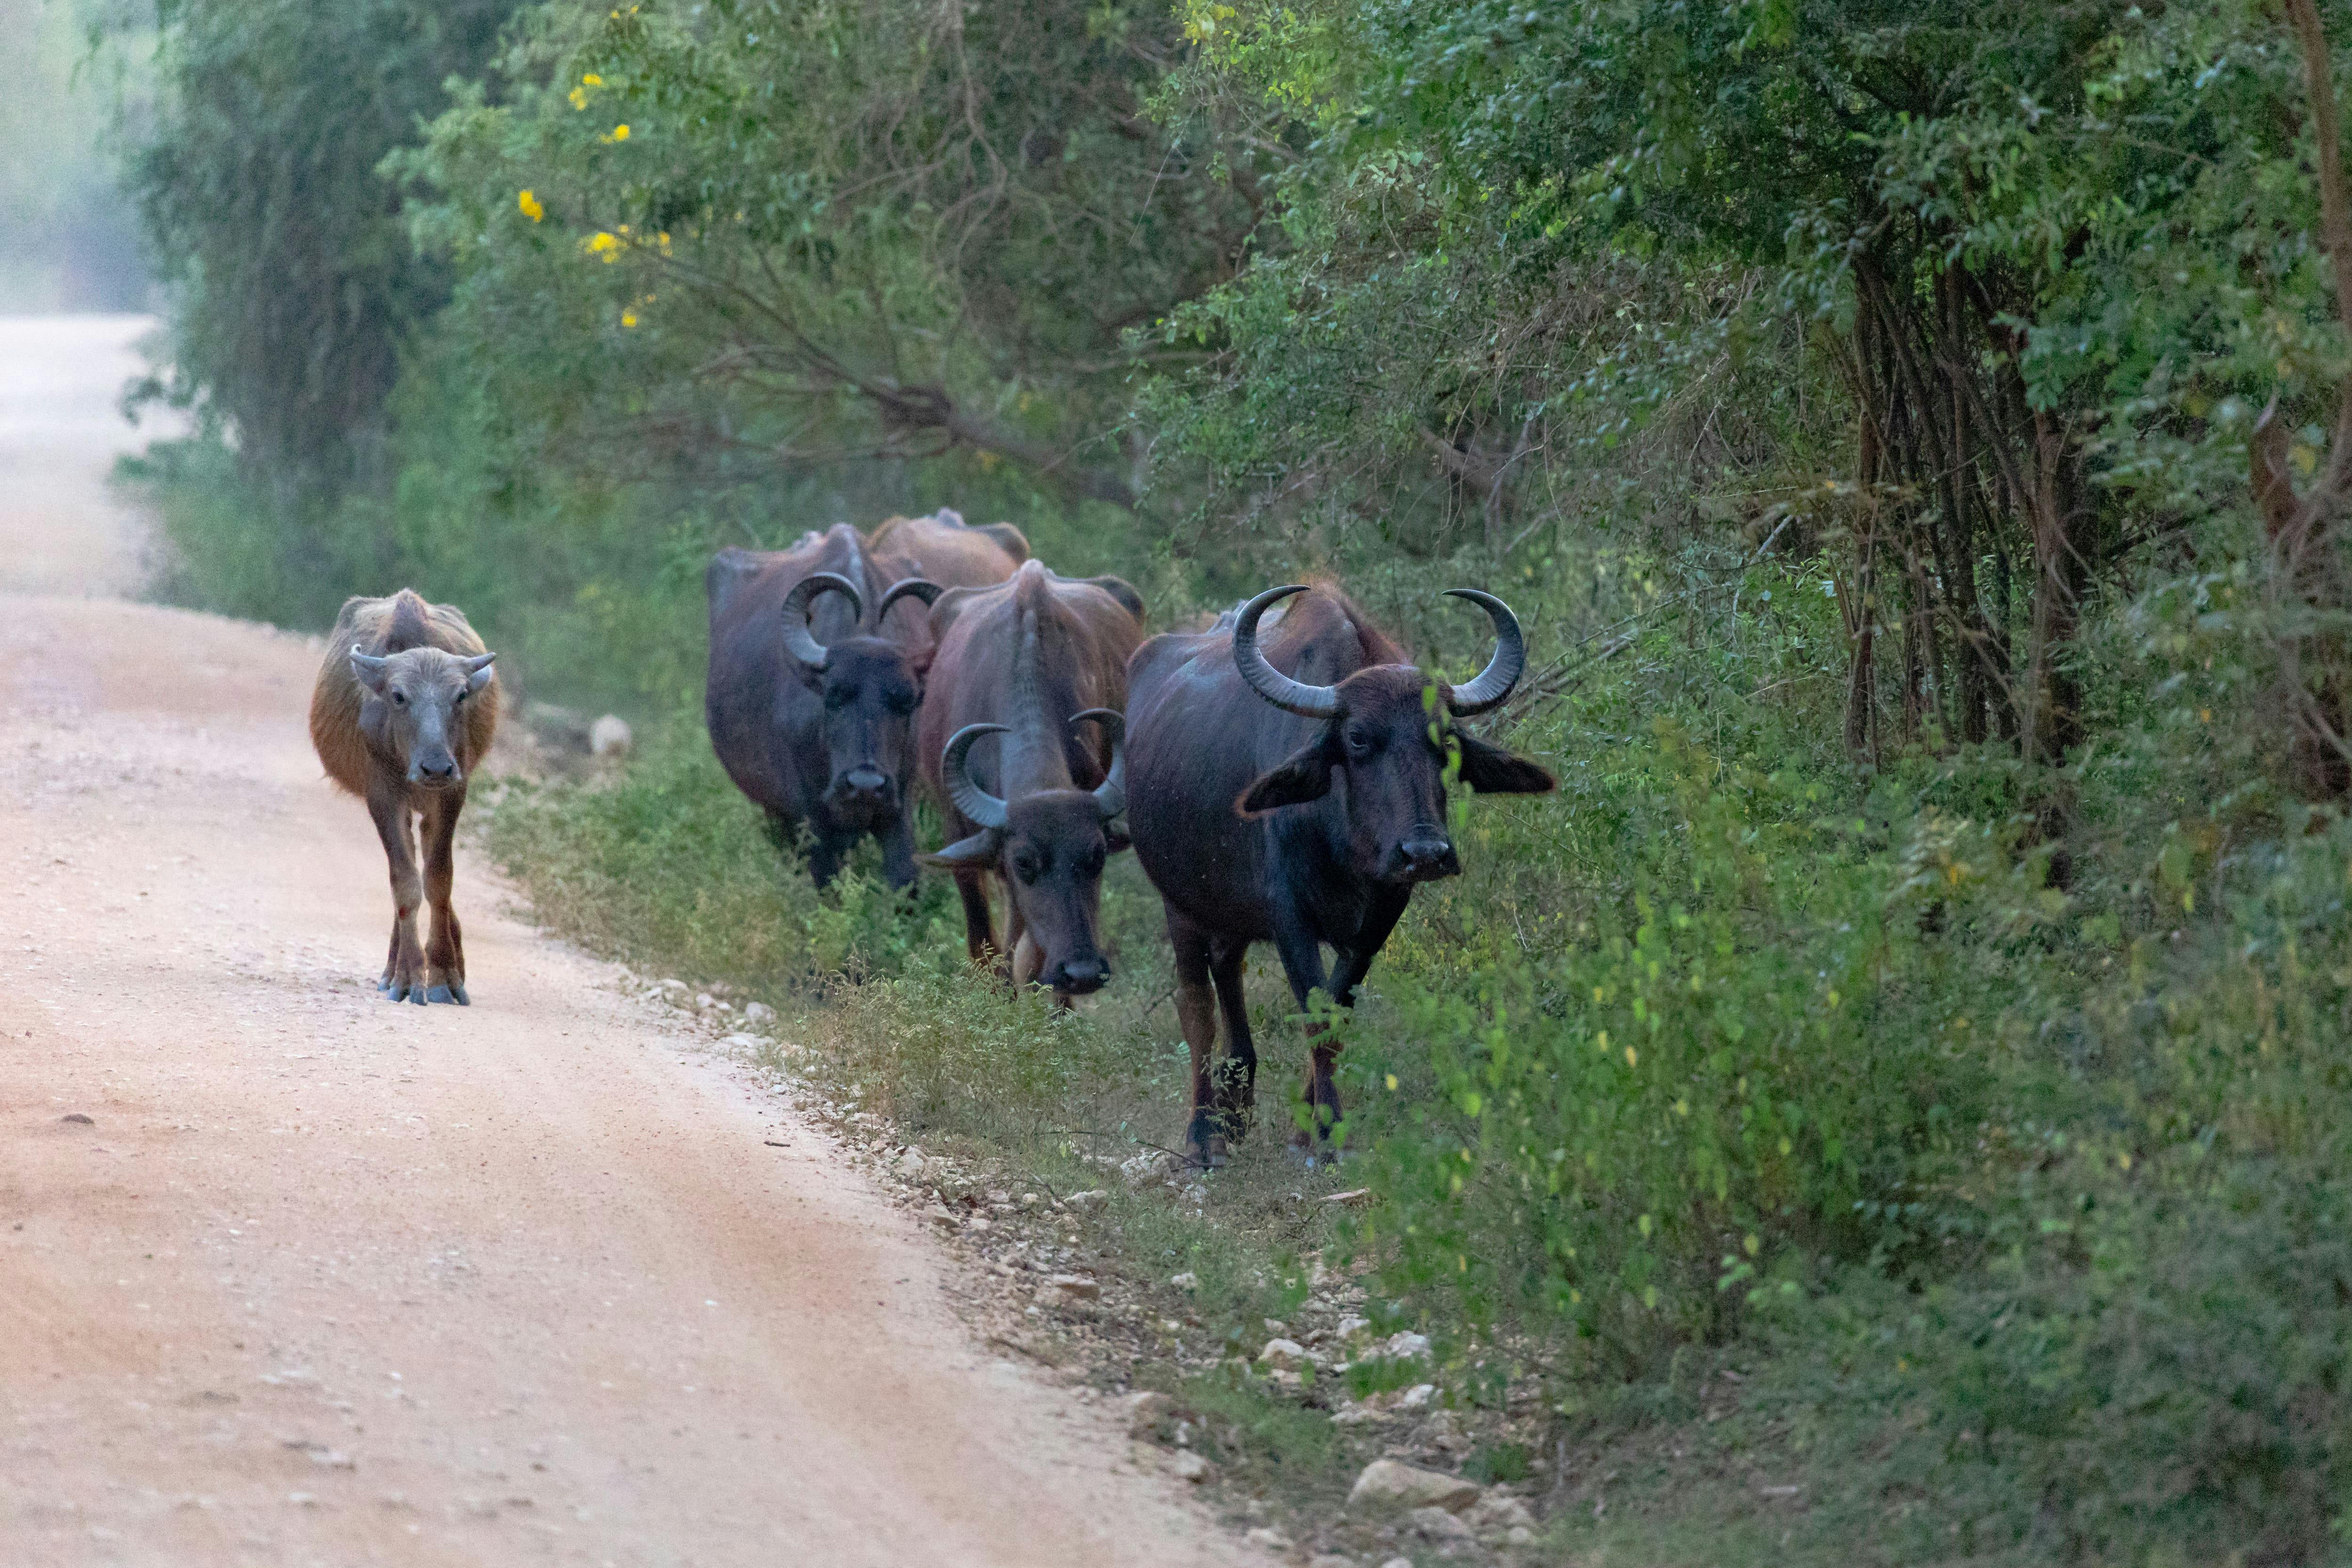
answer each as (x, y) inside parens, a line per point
(839, 697)
(1091, 863)
(1027, 866)
(901, 702)
(1360, 742)
(399, 697)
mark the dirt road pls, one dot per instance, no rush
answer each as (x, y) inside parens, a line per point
(322, 1278)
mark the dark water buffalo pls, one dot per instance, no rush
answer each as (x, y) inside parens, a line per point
(1295, 794)
(1024, 701)
(817, 659)
(405, 705)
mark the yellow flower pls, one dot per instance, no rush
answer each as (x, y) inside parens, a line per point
(628, 317)
(529, 206)
(620, 134)
(602, 243)
(591, 79)
(579, 97)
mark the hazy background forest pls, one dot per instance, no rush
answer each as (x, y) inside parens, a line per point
(1910, 1055)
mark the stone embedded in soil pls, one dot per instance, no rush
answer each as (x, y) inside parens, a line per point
(1498, 1513)
(1333, 1559)
(78, 1119)
(1071, 1287)
(1266, 1535)
(759, 1012)
(1389, 1486)
(1405, 1346)
(1188, 1281)
(1439, 1527)
(1145, 1411)
(1283, 1355)
(1187, 1465)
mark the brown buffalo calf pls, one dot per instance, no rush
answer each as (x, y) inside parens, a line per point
(406, 706)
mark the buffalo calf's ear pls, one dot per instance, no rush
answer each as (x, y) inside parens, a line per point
(977, 852)
(1305, 775)
(1491, 770)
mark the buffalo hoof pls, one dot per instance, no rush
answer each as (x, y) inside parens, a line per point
(1208, 1155)
(439, 994)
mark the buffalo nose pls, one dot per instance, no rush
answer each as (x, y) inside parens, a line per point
(1428, 854)
(434, 770)
(1080, 975)
(866, 781)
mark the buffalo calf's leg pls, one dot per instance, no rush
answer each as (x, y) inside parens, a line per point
(403, 977)
(1196, 1015)
(445, 955)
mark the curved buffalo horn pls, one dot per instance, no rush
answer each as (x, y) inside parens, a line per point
(977, 804)
(1110, 795)
(478, 663)
(1502, 672)
(798, 642)
(368, 662)
(1291, 696)
(908, 587)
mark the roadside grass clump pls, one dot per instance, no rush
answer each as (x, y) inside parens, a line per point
(672, 868)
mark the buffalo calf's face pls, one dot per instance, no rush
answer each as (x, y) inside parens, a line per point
(1051, 853)
(869, 692)
(1384, 756)
(415, 709)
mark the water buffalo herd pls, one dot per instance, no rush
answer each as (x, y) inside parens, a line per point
(1281, 775)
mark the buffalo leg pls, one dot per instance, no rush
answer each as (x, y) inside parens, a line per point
(403, 974)
(1302, 963)
(445, 951)
(978, 920)
(898, 853)
(825, 854)
(1322, 1088)
(1196, 1015)
(1237, 1074)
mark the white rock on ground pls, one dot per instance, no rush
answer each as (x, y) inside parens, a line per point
(1188, 1466)
(1389, 1485)
(1405, 1346)
(1333, 1559)
(1072, 1288)
(1266, 1535)
(1086, 1200)
(1415, 1398)
(610, 736)
(1283, 1355)
(759, 1012)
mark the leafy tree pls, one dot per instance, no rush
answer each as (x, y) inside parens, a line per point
(293, 280)
(801, 235)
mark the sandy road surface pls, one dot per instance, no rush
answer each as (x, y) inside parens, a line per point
(329, 1280)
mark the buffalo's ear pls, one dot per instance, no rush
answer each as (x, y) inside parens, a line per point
(977, 852)
(1491, 770)
(1116, 840)
(1305, 775)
